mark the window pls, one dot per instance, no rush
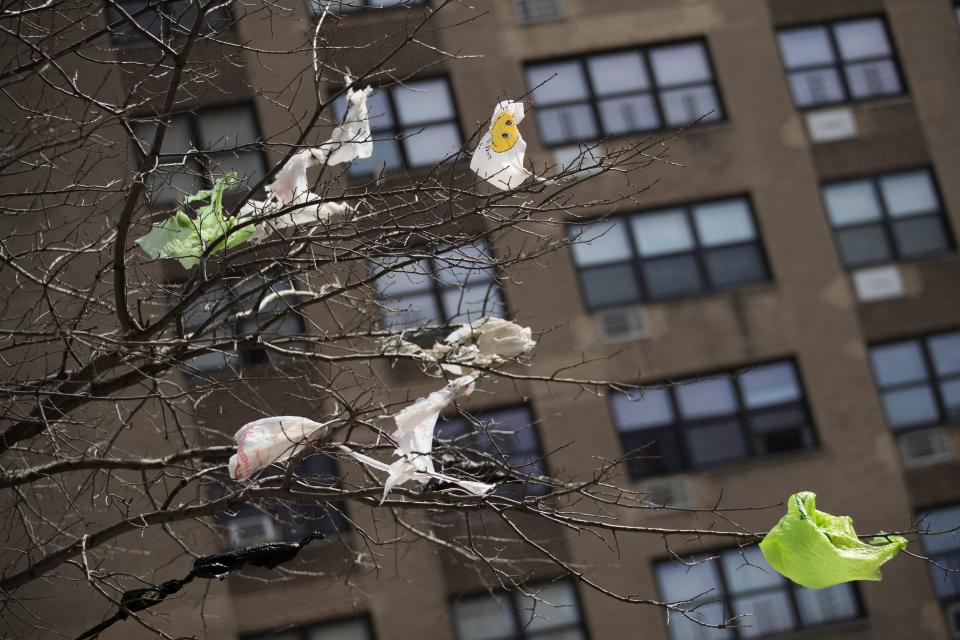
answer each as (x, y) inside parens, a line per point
(845, 61)
(354, 629)
(669, 253)
(350, 6)
(919, 380)
(943, 549)
(740, 582)
(620, 93)
(508, 435)
(887, 218)
(227, 311)
(289, 522)
(414, 125)
(553, 615)
(457, 286)
(531, 11)
(163, 19)
(199, 147)
(709, 421)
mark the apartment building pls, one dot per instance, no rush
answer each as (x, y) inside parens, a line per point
(799, 275)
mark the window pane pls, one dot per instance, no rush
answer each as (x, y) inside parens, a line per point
(819, 86)
(606, 286)
(169, 186)
(410, 311)
(659, 233)
(863, 245)
(723, 222)
(769, 385)
(568, 85)
(601, 242)
(423, 101)
(851, 203)
(746, 569)
(176, 140)
(466, 264)
(222, 129)
(386, 156)
(378, 107)
(683, 106)
(716, 443)
(681, 628)
(770, 613)
(920, 236)
(680, 64)
(777, 430)
(678, 581)
(945, 352)
(247, 165)
(946, 520)
(413, 276)
(348, 630)
(472, 302)
(618, 73)
(950, 392)
(869, 79)
(632, 113)
(658, 451)
(669, 277)
(910, 407)
(642, 409)
(431, 144)
(819, 606)
(859, 39)
(555, 606)
(706, 398)
(484, 618)
(898, 363)
(910, 193)
(735, 265)
(805, 47)
(566, 124)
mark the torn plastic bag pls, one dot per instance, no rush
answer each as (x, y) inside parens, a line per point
(498, 158)
(351, 139)
(402, 471)
(817, 550)
(263, 442)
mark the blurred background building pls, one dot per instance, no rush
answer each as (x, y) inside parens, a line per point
(807, 246)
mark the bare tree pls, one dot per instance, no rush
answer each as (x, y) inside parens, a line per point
(125, 377)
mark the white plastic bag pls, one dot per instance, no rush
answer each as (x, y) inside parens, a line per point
(498, 158)
(263, 442)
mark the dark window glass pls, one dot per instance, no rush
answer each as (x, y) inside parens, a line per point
(505, 435)
(740, 583)
(887, 218)
(610, 94)
(350, 6)
(457, 286)
(162, 19)
(414, 125)
(919, 380)
(353, 629)
(702, 423)
(668, 253)
(943, 548)
(551, 611)
(837, 62)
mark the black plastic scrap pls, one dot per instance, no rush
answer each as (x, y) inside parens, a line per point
(463, 466)
(268, 555)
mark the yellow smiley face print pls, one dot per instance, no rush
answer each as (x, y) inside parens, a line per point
(504, 133)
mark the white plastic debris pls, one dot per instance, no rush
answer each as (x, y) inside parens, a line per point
(352, 139)
(263, 442)
(497, 337)
(498, 158)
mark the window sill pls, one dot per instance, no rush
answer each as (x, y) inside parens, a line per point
(735, 466)
(868, 103)
(748, 289)
(670, 132)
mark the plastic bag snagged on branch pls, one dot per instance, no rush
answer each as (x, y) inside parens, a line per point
(817, 550)
(498, 158)
(414, 437)
(263, 442)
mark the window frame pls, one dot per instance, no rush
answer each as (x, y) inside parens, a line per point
(932, 381)
(727, 596)
(315, 8)
(886, 221)
(637, 262)
(592, 98)
(166, 30)
(839, 64)
(304, 632)
(516, 614)
(679, 427)
(947, 601)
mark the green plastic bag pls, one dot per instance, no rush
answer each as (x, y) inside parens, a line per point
(186, 238)
(818, 550)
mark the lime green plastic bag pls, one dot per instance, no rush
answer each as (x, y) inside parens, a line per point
(186, 238)
(818, 550)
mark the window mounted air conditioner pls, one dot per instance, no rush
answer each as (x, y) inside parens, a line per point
(925, 447)
(666, 492)
(531, 11)
(252, 530)
(622, 324)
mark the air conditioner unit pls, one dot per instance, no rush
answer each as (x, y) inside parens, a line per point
(622, 324)
(254, 529)
(530, 11)
(953, 620)
(925, 447)
(666, 492)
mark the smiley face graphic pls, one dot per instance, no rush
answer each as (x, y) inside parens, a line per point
(504, 133)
